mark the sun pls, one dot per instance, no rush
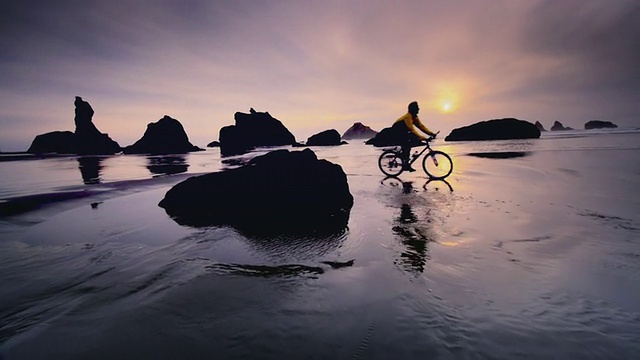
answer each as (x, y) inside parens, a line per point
(446, 106)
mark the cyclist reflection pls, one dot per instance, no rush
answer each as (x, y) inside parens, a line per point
(414, 237)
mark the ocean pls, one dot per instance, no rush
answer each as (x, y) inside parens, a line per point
(530, 249)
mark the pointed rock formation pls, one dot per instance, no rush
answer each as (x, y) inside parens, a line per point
(599, 124)
(166, 136)
(359, 131)
(325, 138)
(253, 130)
(539, 126)
(87, 139)
(557, 126)
(495, 129)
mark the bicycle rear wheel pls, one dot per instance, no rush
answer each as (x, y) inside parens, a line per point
(390, 163)
(437, 164)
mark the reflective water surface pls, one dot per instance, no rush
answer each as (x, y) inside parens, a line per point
(532, 256)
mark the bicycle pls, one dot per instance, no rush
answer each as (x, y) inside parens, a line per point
(436, 164)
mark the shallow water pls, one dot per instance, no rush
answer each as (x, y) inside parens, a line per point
(533, 256)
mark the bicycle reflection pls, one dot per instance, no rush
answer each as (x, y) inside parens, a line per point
(395, 181)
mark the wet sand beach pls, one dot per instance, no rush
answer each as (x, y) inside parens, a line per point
(529, 250)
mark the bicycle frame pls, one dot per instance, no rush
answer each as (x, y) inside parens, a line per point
(414, 157)
(392, 162)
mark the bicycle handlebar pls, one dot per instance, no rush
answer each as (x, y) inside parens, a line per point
(431, 137)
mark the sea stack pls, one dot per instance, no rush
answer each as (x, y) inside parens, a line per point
(557, 126)
(495, 129)
(166, 136)
(89, 139)
(325, 138)
(359, 131)
(253, 130)
(86, 140)
(599, 124)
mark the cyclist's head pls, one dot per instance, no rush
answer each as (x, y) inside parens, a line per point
(413, 107)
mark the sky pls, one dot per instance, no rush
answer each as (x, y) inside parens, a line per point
(314, 65)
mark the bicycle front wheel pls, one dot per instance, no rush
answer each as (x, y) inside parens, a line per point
(390, 163)
(437, 165)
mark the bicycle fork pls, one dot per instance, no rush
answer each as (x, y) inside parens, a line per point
(435, 161)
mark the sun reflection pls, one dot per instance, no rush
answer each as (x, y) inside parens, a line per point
(449, 243)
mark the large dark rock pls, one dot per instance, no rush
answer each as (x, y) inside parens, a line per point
(87, 139)
(166, 136)
(325, 138)
(213, 144)
(281, 192)
(359, 131)
(539, 126)
(394, 135)
(496, 129)
(253, 130)
(557, 126)
(599, 124)
(61, 142)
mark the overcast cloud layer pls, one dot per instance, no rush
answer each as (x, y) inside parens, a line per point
(314, 65)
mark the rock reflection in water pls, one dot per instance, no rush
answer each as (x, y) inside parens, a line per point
(90, 167)
(500, 155)
(298, 244)
(167, 165)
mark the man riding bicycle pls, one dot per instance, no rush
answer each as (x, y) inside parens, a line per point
(407, 126)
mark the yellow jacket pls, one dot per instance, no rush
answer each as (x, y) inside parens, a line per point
(411, 124)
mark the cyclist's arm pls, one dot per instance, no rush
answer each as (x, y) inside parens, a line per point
(422, 127)
(408, 121)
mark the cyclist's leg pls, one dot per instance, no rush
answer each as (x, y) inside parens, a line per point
(406, 153)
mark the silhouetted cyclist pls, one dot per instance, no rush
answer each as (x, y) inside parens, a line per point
(406, 126)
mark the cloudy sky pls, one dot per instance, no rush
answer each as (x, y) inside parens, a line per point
(314, 65)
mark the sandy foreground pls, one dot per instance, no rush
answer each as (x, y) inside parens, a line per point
(534, 256)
